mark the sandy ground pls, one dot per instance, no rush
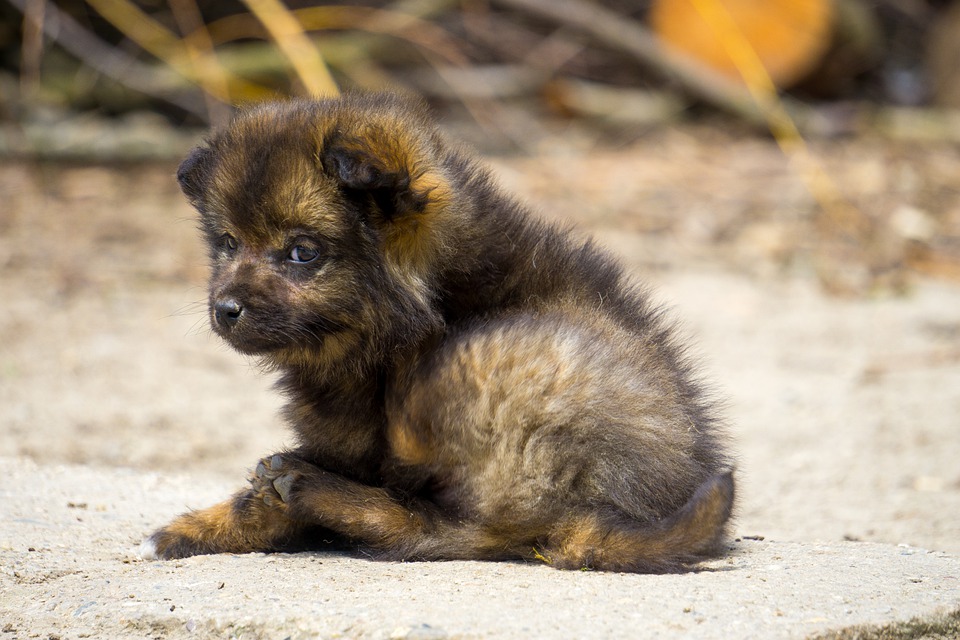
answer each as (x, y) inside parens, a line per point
(118, 410)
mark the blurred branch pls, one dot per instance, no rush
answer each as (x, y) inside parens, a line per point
(111, 61)
(918, 124)
(633, 38)
(617, 105)
(31, 49)
(288, 34)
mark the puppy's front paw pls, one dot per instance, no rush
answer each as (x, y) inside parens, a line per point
(274, 479)
(148, 549)
(253, 520)
(173, 541)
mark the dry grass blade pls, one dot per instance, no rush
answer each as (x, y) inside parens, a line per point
(158, 41)
(438, 46)
(840, 217)
(287, 32)
(426, 35)
(633, 38)
(140, 27)
(200, 49)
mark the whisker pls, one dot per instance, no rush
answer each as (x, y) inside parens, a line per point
(199, 327)
(198, 306)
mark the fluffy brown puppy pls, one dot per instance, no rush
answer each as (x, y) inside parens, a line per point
(464, 381)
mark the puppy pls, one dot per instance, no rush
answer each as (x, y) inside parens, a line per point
(464, 381)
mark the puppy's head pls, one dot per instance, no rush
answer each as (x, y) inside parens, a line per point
(325, 222)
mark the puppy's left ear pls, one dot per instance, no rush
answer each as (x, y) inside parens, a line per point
(194, 172)
(397, 180)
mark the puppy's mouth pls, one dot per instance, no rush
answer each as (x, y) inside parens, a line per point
(259, 333)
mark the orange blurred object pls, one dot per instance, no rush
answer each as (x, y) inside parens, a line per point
(789, 37)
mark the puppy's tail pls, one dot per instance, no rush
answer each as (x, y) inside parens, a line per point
(613, 542)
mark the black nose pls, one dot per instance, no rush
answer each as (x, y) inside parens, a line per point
(227, 312)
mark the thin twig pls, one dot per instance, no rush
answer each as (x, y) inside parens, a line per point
(199, 47)
(161, 43)
(31, 49)
(839, 212)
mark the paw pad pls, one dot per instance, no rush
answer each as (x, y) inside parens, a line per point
(273, 484)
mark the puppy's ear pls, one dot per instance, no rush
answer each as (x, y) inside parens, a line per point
(359, 168)
(194, 173)
(390, 171)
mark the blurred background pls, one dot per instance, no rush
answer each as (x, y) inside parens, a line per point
(785, 172)
(846, 65)
(123, 80)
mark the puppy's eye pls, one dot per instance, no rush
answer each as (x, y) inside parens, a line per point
(227, 243)
(303, 254)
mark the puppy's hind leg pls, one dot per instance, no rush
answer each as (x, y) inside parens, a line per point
(611, 541)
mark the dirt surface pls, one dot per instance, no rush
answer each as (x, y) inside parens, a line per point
(80, 578)
(119, 409)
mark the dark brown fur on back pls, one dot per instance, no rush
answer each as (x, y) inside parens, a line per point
(464, 381)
